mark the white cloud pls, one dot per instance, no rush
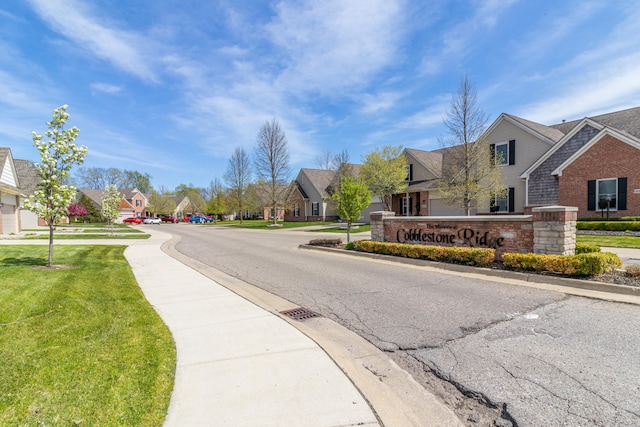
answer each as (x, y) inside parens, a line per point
(106, 88)
(125, 50)
(334, 45)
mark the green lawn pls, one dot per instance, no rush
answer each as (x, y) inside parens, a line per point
(338, 229)
(610, 241)
(262, 224)
(90, 236)
(80, 345)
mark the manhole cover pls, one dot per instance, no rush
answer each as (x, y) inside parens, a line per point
(300, 313)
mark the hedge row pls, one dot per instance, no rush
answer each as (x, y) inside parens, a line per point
(609, 225)
(586, 264)
(479, 257)
(611, 219)
(588, 260)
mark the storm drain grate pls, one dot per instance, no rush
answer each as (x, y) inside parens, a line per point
(300, 313)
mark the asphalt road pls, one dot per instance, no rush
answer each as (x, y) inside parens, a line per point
(549, 358)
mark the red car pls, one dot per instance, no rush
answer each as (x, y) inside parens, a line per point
(132, 220)
(169, 218)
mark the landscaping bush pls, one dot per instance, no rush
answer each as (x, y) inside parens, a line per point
(480, 257)
(326, 242)
(633, 270)
(609, 225)
(585, 264)
(584, 248)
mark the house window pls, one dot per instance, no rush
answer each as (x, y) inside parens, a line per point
(406, 206)
(409, 172)
(607, 192)
(296, 210)
(504, 153)
(138, 203)
(315, 208)
(504, 202)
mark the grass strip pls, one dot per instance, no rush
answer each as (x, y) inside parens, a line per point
(609, 241)
(80, 345)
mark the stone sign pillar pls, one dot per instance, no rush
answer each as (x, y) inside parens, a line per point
(554, 230)
(377, 224)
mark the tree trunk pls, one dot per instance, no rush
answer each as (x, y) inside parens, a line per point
(51, 226)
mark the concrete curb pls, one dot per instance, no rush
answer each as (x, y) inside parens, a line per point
(566, 283)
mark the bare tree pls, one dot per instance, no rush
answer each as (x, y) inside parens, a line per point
(331, 161)
(469, 175)
(237, 177)
(272, 163)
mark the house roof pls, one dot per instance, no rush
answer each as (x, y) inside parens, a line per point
(432, 160)
(549, 132)
(9, 182)
(627, 121)
(27, 176)
(319, 179)
(128, 193)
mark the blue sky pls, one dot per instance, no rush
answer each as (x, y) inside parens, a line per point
(171, 88)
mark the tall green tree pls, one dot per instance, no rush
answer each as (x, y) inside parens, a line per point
(385, 173)
(469, 173)
(93, 214)
(58, 155)
(110, 205)
(161, 204)
(217, 199)
(352, 198)
(271, 159)
(238, 177)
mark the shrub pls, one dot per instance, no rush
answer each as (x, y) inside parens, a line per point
(349, 246)
(585, 264)
(609, 225)
(633, 270)
(480, 257)
(584, 248)
(326, 242)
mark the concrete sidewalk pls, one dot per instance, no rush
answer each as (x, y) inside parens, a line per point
(238, 364)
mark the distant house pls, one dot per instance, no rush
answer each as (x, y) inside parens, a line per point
(125, 208)
(28, 179)
(10, 194)
(136, 199)
(309, 199)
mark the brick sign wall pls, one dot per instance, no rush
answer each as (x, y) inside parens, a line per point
(552, 232)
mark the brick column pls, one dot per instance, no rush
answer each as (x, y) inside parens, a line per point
(377, 224)
(554, 230)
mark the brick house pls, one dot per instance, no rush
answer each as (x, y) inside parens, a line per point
(590, 164)
(593, 167)
(308, 199)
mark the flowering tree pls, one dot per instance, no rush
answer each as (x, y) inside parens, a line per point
(58, 154)
(110, 202)
(76, 210)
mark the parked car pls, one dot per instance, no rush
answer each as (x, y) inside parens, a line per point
(186, 218)
(199, 219)
(132, 220)
(168, 218)
(151, 221)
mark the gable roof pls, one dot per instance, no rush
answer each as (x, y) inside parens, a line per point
(27, 176)
(431, 160)
(9, 182)
(319, 179)
(632, 141)
(547, 134)
(627, 121)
